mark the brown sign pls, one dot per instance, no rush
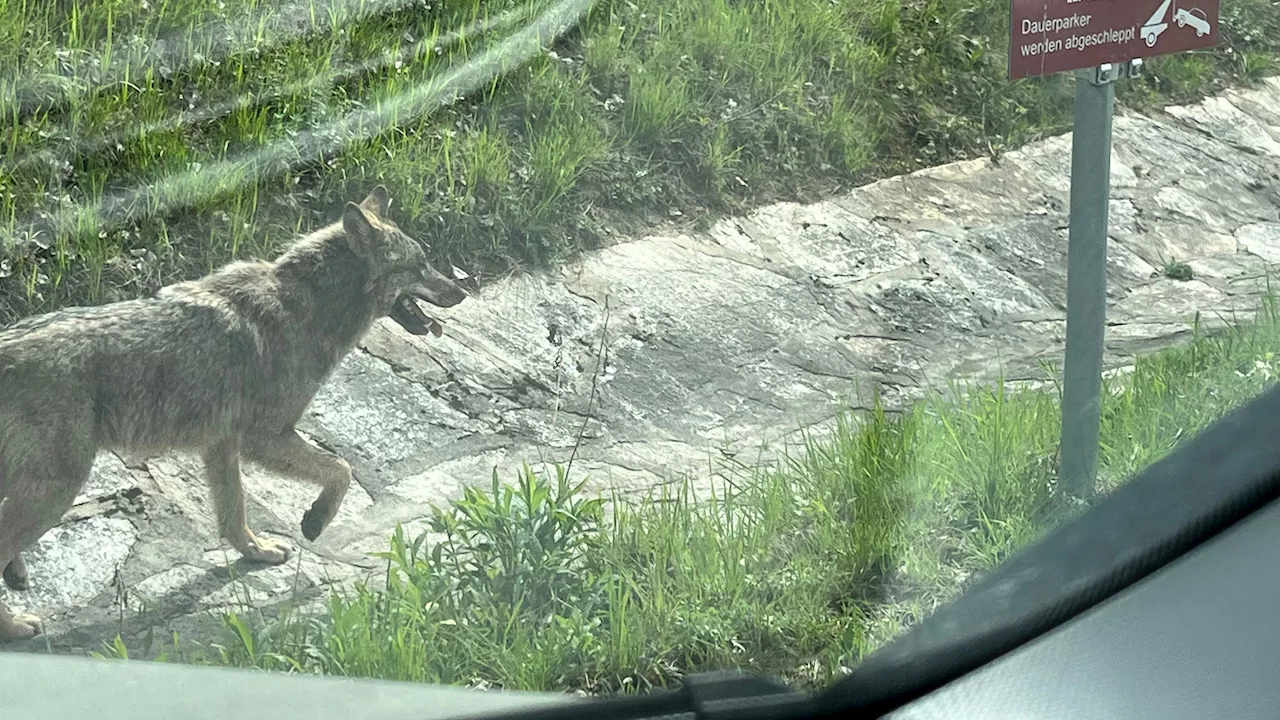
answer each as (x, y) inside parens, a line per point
(1052, 36)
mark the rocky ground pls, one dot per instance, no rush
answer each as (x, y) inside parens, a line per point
(663, 351)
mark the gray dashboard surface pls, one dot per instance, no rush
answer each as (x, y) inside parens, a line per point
(1199, 638)
(44, 687)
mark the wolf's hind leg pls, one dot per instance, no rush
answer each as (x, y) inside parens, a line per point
(43, 473)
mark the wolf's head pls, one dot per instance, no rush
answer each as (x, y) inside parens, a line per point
(399, 270)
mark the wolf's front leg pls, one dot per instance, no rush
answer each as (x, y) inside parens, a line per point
(222, 465)
(288, 454)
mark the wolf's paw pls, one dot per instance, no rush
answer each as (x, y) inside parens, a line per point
(316, 519)
(270, 551)
(20, 627)
(15, 574)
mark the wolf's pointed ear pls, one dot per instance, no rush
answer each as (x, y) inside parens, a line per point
(378, 202)
(360, 232)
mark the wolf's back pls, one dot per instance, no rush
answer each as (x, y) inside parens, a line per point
(154, 373)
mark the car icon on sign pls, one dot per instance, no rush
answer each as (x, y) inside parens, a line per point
(1193, 17)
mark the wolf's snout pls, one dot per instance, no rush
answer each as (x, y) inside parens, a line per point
(440, 290)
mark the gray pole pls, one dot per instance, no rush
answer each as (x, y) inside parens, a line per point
(1086, 278)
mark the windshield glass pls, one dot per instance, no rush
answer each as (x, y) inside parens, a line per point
(580, 345)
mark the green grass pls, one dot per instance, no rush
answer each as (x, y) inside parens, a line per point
(796, 568)
(127, 161)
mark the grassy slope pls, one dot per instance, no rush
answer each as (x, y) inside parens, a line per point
(649, 110)
(800, 570)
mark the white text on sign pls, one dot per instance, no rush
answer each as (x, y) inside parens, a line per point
(1081, 41)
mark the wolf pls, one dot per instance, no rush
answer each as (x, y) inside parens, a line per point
(222, 367)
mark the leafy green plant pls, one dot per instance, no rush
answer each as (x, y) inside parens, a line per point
(523, 547)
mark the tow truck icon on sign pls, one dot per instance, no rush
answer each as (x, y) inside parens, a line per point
(1156, 24)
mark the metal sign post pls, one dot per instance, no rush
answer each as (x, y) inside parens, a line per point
(1099, 39)
(1086, 277)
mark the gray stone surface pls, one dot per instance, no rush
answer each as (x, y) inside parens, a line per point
(737, 335)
